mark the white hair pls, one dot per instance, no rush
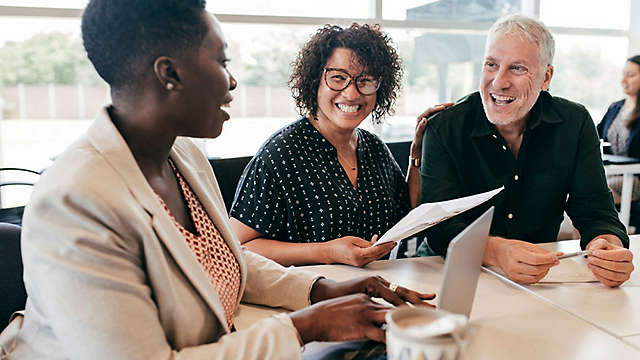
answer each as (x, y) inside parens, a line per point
(531, 29)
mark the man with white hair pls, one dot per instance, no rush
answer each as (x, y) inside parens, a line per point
(543, 149)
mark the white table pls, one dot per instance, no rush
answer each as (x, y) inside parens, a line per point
(615, 311)
(510, 321)
(627, 171)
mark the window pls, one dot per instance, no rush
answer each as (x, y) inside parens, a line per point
(612, 14)
(458, 10)
(63, 4)
(327, 8)
(260, 60)
(589, 74)
(49, 92)
(439, 66)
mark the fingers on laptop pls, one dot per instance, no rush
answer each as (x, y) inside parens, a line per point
(395, 294)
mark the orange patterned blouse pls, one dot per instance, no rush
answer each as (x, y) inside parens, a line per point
(210, 249)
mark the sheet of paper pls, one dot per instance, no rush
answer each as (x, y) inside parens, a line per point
(429, 214)
(573, 270)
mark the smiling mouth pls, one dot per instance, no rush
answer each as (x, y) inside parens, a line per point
(225, 109)
(348, 108)
(502, 100)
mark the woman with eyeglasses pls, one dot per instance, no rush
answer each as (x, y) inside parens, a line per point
(127, 248)
(321, 190)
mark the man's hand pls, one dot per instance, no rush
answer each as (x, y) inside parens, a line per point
(611, 263)
(522, 262)
(356, 251)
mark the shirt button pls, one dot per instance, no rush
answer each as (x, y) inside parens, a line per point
(510, 216)
(504, 147)
(494, 136)
(515, 177)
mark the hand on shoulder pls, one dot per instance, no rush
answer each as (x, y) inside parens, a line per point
(421, 123)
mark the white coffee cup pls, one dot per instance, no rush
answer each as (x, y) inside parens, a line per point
(424, 333)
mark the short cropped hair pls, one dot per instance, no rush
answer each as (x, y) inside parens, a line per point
(122, 37)
(373, 51)
(531, 29)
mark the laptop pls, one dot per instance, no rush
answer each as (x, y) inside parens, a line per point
(461, 271)
(463, 265)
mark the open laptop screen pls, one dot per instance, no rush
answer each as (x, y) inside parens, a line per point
(463, 265)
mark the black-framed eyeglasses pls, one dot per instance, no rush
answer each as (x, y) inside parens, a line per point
(338, 80)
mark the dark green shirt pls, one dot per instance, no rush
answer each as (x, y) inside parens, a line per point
(558, 168)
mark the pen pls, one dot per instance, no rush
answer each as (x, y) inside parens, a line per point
(577, 253)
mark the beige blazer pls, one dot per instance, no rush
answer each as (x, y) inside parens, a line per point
(109, 276)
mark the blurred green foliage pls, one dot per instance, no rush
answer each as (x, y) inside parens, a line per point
(47, 58)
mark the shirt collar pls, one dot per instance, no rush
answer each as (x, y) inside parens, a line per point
(483, 127)
(322, 142)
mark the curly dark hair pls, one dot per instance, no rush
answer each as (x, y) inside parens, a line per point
(373, 50)
(122, 37)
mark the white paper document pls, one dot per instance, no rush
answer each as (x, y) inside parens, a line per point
(572, 270)
(430, 214)
(569, 271)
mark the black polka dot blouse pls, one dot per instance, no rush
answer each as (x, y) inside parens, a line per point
(295, 190)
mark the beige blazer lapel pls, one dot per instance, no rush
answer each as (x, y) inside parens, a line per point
(106, 138)
(202, 181)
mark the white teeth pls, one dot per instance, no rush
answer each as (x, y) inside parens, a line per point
(502, 98)
(348, 108)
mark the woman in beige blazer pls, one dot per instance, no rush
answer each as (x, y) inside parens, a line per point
(110, 264)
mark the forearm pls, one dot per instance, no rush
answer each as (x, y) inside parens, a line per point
(287, 254)
(590, 205)
(413, 182)
(269, 283)
(491, 251)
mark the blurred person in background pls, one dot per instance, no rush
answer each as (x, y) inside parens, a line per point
(619, 126)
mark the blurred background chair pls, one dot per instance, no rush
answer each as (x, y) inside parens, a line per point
(10, 212)
(12, 291)
(400, 151)
(228, 172)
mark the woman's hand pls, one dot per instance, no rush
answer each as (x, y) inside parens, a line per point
(356, 251)
(421, 123)
(344, 310)
(374, 286)
(351, 317)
